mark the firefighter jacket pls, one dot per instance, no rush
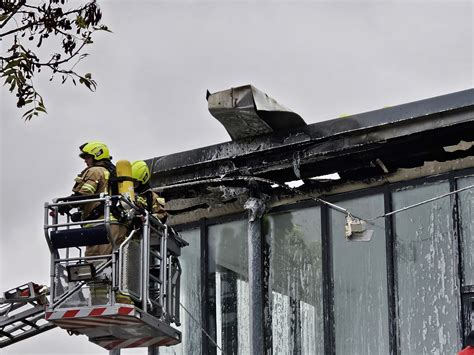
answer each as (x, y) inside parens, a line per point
(92, 180)
(155, 204)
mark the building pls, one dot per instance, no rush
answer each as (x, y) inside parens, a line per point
(310, 289)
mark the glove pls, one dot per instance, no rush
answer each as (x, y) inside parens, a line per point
(63, 209)
(137, 222)
(76, 217)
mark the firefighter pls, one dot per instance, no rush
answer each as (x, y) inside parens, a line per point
(145, 197)
(95, 179)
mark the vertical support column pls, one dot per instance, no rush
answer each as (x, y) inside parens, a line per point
(256, 208)
(54, 252)
(391, 274)
(145, 262)
(208, 292)
(114, 287)
(464, 325)
(267, 297)
(152, 350)
(328, 284)
(164, 296)
(114, 352)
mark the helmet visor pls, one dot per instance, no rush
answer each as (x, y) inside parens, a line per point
(85, 155)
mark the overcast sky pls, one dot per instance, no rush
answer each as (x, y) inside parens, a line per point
(321, 59)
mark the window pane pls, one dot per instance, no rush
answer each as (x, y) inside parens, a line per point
(228, 255)
(428, 297)
(466, 204)
(190, 297)
(360, 281)
(296, 282)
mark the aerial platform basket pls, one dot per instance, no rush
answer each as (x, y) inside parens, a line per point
(115, 327)
(126, 299)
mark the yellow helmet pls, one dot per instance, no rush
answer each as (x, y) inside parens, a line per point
(97, 150)
(140, 171)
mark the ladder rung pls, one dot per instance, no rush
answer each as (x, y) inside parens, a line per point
(6, 334)
(156, 279)
(31, 324)
(156, 254)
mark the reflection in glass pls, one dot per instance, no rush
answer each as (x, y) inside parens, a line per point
(296, 282)
(360, 281)
(428, 296)
(466, 208)
(228, 255)
(190, 297)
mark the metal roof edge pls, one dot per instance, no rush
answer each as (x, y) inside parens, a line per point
(315, 132)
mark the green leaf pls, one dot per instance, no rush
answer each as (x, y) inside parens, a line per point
(11, 64)
(9, 72)
(28, 112)
(9, 79)
(21, 77)
(13, 85)
(80, 22)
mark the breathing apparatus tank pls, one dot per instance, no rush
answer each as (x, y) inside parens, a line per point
(125, 180)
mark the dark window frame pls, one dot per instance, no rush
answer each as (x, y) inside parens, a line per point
(386, 190)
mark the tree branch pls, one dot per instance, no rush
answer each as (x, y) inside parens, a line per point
(41, 20)
(37, 20)
(14, 11)
(64, 60)
(22, 28)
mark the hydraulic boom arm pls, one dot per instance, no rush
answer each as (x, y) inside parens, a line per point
(22, 311)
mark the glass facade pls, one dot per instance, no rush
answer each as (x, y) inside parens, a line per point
(360, 281)
(428, 293)
(295, 282)
(228, 263)
(466, 228)
(190, 297)
(402, 292)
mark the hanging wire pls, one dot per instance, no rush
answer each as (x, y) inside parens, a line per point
(202, 329)
(341, 209)
(421, 203)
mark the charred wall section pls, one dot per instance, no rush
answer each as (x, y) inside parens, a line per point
(369, 148)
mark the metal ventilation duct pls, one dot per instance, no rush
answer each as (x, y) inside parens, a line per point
(246, 112)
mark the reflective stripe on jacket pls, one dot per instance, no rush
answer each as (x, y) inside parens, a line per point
(92, 180)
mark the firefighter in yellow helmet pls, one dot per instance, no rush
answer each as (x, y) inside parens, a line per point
(145, 197)
(95, 179)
